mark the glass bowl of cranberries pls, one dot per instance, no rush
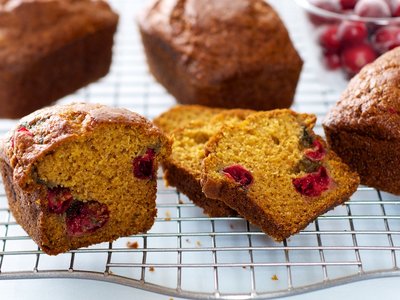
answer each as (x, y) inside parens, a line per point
(353, 33)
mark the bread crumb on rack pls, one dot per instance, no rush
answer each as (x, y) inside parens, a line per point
(167, 215)
(198, 243)
(151, 269)
(132, 245)
(274, 277)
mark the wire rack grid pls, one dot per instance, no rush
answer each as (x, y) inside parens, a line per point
(188, 254)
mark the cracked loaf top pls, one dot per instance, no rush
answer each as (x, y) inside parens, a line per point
(30, 29)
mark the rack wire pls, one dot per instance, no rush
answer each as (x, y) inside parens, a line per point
(233, 259)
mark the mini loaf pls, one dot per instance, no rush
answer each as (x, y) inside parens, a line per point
(225, 53)
(50, 48)
(275, 172)
(81, 174)
(363, 127)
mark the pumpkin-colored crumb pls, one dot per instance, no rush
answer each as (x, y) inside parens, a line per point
(270, 146)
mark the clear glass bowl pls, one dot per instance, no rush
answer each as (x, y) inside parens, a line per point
(325, 14)
(348, 41)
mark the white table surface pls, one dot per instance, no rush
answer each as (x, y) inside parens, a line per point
(72, 289)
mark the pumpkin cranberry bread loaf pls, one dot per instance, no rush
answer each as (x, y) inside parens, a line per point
(81, 174)
(225, 53)
(275, 172)
(183, 168)
(181, 115)
(51, 48)
(363, 127)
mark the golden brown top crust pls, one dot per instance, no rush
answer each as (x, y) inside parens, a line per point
(181, 115)
(371, 103)
(220, 39)
(29, 29)
(42, 131)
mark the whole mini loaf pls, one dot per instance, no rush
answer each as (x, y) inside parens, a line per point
(81, 174)
(221, 53)
(363, 127)
(49, 49)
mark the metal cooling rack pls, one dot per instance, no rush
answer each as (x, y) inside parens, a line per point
(187, 254)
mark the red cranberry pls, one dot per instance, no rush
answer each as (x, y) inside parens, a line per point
(143, 166)
(314, 184)
(239, 174)
(331, 61)
(395, 8)
(393, 111)
(352, 32)
(357, 56)
(328, 38)
(372, 8)
(22, 131)
(86, 217)
(329, 5)
(348, 4)
(317, 153)
(59, 199)
(386, 38)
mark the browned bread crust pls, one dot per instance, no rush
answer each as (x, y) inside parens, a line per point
(181, 115)
(43, 133)
(362, 128)
(189, 184)
(225, 53)
(49, 49)
(269, 146)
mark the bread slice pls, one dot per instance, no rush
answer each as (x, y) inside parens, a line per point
(183, 168)
(81, 174)
(275, 172)
(181, 115)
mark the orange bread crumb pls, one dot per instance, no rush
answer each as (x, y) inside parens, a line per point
(132, 245)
